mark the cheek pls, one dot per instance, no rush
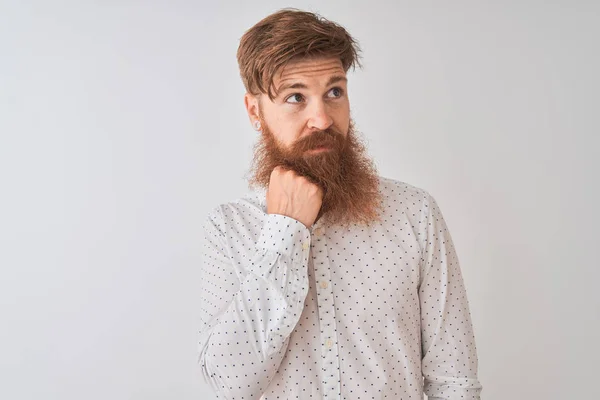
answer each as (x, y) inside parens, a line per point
(290, 129)
(286, 131)
(342, 121)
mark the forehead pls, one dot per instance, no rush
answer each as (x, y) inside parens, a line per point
(309, 68)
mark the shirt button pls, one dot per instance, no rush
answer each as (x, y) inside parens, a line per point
(329, 343)
(305, 245)
(319, 231)
(324, 284)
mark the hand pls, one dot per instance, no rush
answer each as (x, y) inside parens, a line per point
(294, 196)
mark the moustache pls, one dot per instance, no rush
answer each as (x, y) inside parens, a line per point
(326, 138)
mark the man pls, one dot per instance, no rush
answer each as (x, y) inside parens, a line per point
(326, 281)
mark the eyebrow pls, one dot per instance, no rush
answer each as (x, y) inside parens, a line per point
(299, 85)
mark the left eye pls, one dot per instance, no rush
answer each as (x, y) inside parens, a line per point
(336, 91)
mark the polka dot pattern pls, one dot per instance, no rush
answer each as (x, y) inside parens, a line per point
(379, 312)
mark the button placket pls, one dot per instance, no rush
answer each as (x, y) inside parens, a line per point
(325, 300)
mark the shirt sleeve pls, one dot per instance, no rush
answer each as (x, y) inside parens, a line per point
(449, 362)
(246, 320)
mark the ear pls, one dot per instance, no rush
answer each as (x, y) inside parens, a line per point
(251, 103)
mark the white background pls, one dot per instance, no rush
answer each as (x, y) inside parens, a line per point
(122, 123)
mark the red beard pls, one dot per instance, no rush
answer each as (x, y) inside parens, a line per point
(347, 176)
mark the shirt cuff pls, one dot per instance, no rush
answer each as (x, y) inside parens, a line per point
(285, 235)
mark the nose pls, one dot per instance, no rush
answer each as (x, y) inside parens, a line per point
(319, 116)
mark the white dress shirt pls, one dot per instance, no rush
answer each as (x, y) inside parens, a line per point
(290, 312)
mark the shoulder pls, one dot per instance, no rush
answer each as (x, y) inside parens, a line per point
(398, 191)
(406, 202)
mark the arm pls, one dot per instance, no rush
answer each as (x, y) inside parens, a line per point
(247, 320)
(449, 361)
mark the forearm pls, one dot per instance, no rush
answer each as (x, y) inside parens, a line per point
(449, 364)
(242, 346)
(249, 341)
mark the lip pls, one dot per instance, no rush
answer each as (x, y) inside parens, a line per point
(319, 149)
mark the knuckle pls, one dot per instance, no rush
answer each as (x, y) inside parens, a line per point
(278, 172)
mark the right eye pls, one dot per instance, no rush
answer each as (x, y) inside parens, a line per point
(296, 96)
